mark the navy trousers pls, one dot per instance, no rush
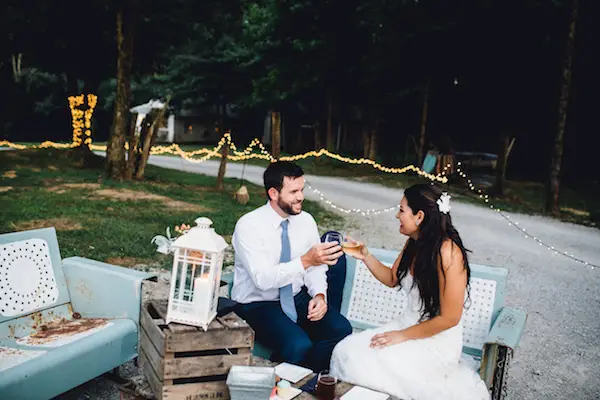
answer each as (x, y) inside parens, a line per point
(305, 343)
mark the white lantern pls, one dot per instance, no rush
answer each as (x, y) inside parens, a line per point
(196, 276)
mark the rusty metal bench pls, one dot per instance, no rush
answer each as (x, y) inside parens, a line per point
(62, 322)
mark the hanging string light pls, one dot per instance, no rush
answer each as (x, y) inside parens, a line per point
(248, 153)
(79, 135)
(516, 225)
(366, 211)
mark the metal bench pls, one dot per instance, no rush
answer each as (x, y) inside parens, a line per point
(62, 322)
(491, 330)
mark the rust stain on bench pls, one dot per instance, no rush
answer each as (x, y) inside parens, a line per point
(62, 328)
(38, 319)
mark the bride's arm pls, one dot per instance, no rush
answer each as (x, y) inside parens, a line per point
(387, 276)
(452, 291)
(383, 273)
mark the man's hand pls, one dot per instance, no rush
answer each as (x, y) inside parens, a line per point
(322, 253)
(317, 308)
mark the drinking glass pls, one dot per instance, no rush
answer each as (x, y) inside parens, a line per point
(326, 384)
(334, 237)
(352, 244)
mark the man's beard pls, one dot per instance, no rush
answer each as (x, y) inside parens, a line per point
(287, 207)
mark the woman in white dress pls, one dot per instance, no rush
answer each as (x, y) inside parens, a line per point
(417, 355)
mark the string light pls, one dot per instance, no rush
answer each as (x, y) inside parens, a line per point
(235, 155)
(79, 135)
(515, 224)
(248, 153)
(363, 212)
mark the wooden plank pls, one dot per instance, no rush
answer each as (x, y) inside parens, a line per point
(153, 330)
(169, 357)
(210, 340)
(152, 354)
(190, 367)
(177, 328)
(151, 377)
(197, 391)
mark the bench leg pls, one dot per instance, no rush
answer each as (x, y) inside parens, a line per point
(500, 378)
(115, 376)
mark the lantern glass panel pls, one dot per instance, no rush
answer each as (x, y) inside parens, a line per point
(192, 264)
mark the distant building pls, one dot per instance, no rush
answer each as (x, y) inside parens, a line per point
(181, 126)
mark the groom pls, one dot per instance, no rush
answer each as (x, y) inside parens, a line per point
(281, 276)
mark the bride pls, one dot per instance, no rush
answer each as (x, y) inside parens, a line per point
(417, 356)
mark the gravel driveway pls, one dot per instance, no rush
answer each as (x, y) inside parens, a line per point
(559, 354)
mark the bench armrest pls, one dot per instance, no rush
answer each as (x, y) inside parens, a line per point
(508, 328)
(100, 290)
(499, 346)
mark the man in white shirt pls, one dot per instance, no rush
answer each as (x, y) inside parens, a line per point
(280, 275)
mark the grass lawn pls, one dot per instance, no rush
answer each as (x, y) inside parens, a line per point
(113, 221)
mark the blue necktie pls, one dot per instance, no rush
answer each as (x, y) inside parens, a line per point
(286, 293)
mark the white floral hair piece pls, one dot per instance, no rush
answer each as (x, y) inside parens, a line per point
(444, 203)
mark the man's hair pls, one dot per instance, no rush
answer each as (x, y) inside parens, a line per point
(275, 172)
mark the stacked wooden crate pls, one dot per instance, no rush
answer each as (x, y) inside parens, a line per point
(186, 363)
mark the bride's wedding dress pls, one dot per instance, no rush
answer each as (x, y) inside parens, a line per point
(421, 369)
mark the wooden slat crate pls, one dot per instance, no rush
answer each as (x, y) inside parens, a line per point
(186, 363)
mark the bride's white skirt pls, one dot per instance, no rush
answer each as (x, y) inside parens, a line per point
(420, 369)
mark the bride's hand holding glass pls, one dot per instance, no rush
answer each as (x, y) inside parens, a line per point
(351, 244)
(355, 247)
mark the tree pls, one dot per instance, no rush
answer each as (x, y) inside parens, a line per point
(276, 134)
(127, 16)
(421, 146)
(553, 188)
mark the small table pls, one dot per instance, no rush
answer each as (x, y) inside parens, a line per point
(341, 387)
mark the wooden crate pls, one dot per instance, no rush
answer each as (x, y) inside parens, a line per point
(186, 363)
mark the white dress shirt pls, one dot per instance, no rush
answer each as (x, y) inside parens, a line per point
(257, 243)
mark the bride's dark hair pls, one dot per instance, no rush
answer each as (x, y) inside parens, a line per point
(435, 228)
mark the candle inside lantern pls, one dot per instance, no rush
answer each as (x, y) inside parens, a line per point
(203, 294)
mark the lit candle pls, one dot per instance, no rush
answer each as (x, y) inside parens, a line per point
(202, 295)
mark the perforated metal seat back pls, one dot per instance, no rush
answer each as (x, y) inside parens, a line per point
(31, 274)
(367, 303)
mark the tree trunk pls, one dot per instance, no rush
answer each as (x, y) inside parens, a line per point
(330, 135)
(501, 166)
(421, 146)
(373, 141)
(338, 141)
(553, 192)
(345, 137)
(276, 134)
(224, 152)
(317, 128)
(132, 151)
(366, 137)
(115, 151)
(149, 141)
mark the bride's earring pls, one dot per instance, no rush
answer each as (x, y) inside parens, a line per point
(418, 223)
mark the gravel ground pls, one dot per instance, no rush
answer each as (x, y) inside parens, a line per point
(559, 355)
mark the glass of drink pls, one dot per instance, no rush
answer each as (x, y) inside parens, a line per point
(334, 237)
(352, 245)
(326, 384)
